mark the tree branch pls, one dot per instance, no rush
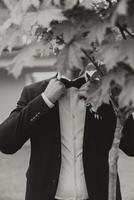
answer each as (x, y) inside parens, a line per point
(121, 31)
(93, 61)
(124, 29)
(128, 32)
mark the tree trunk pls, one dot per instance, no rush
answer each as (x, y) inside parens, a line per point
(113, 161)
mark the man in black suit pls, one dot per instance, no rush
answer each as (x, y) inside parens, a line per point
(69, 143)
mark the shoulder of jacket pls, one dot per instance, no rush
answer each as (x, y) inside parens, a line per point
(38, 84)
(35, 89)
(35, 85)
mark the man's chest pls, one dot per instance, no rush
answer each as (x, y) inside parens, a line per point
(72, 110)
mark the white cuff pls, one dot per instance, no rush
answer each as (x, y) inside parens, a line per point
(47, 101)
(133, 114)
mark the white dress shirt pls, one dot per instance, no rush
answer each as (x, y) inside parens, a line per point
(71, 185)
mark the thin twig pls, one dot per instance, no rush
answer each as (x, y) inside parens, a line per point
(93, 61)
(128, 32)
(122, 31)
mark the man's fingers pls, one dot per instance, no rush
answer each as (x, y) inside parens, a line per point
(82, 94)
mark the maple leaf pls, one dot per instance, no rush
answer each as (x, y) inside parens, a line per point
(121, 51)
(81, 22)
(124, 15)
(120, 12)
(97, 30)
(91, 23)
(129, 18)
(10, 38)
(122, 7)
(17, 14)
(42, 18)
(29, 21)
(66, 29)
(45, 17)
(71, 56)
(26, 57)
(126, 98)
(79, 14)
(100, 91)
(20, 9)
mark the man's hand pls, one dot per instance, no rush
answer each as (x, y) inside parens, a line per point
(54, 90)
(83, 91)
(88, 89)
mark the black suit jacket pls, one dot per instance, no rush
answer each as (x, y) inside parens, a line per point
(33, 119)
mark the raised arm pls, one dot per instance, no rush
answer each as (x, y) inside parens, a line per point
(15, 130)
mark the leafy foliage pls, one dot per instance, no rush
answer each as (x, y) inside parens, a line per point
(71, 56)
(11, 37)
(21, 60)
(107, 88)
(100, 32)
(120, 51)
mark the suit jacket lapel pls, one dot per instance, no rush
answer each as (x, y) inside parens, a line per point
(86, 127)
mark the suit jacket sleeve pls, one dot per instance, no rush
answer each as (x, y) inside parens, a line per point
(15, 130)
(127, 140)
